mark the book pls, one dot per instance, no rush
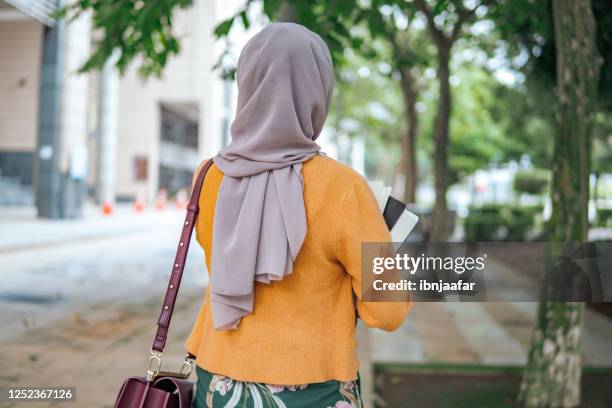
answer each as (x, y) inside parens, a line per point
(398, 218)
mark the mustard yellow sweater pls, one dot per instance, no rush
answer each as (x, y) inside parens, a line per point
(302, 329)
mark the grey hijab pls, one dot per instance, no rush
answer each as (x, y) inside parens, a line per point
(285, 82)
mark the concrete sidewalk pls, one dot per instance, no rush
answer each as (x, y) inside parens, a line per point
(492, 333)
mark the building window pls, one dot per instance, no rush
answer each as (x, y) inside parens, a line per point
(141, 165)
(178, 129)
(173, 180)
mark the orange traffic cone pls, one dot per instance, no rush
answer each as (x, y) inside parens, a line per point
(139, 204)
(161, 200)
(107, 208)
(181, 200)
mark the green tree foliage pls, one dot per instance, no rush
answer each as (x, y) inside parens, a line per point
(132, 29)
(368, 105)
(476, 139)
(527, 26)
(330, 19)
(527, 119)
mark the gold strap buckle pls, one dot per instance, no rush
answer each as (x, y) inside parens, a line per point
(154, 365)
(154, 368)
(187, 367)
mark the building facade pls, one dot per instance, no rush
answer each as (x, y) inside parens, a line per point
(66, 137)
(166, 125)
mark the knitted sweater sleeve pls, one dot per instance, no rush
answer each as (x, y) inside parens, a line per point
(361, 221)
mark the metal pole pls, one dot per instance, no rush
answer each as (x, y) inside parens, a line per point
(47, 177)
(108, 123)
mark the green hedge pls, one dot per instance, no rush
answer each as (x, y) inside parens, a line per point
(604, 217)
(500, 222)
(532, 182)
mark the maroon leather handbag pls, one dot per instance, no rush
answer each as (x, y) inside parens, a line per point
(160, 389)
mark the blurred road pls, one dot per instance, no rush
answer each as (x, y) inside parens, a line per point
(58, 269)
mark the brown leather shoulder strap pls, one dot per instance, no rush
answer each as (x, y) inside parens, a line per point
(163, 323)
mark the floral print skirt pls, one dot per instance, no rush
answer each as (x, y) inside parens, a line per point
(217, 391)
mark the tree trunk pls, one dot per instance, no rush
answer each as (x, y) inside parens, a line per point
(439, 231)
(409, 168)
(553, 371)
(286, 13)
(552, 375)
(596, 191)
